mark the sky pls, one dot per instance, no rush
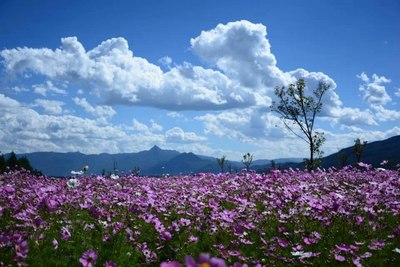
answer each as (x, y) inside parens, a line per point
(194, 76)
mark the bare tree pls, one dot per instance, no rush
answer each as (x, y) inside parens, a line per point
(296, 107)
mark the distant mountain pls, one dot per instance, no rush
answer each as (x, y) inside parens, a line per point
(155, 161)
(61, 164)
(184, 163)
(374, 153)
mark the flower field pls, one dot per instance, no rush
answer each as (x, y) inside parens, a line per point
(289, 218)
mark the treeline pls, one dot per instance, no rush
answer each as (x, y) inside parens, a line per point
(14, 163)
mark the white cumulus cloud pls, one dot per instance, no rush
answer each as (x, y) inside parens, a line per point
(241, 50)
(25, 130)
(373, 89)
(383, 114)
(177, 135)
(141, 127)
(110, 70)
(97, 111)
(48, 87)
(397, 92)
(50, 106)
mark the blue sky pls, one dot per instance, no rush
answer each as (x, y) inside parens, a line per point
(122, 76)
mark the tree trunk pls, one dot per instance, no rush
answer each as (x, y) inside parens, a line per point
(311, 163)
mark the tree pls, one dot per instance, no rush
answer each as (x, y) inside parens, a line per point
(247, 160)
(359, 148)
(273, 164)
(2, 163)
(12, 161)
(342, 158)
(115, 166)
(23, 162)
(295, 106)
(221, 163)
(229, 167)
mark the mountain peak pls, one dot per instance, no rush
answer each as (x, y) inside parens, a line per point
(155, 148)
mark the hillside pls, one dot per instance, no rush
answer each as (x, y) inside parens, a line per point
(374, 153)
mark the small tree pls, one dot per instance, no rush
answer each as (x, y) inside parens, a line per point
(12, 161)
(23, 162)
(273, 165)
(115, 165)
(136, 171)
(295, 106)
(221, 163)
(2, 163)
(359, 148)
(247, 160)
(229, 165)
(342, 158)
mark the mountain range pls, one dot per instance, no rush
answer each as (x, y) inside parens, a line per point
(154, 162)
(157, 161)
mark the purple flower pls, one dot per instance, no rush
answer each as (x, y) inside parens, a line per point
(55, 243)
(21, 248)
(170, 264)
(88, 258)
(376, 244)
(238, 230)
(359, 220)
(166, 235)
(3, 241)
(343, 247)
(309, 241)
(193, 239)
(234, 253)
(65, 234)
(364, 165)
(204, 260)
(383, 163)
(110, 264)
(357, 262)
(282, 243)
(339, 258)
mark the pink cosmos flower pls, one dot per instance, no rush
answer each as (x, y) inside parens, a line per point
(359, 220)
(357, 262)
(343, 247)
(339, 258)
(21, 249)
(364, 165)
(110, 264)
(170, 264)
(166, 235)
(383, 163)
(233, 253)
(376, 244)
(204, 260)
(55, 243)
(193, 239)
(88, 258)
(65, 234)
(309, 241)
(282, 243)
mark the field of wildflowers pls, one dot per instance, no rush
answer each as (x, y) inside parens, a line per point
(284, 218)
